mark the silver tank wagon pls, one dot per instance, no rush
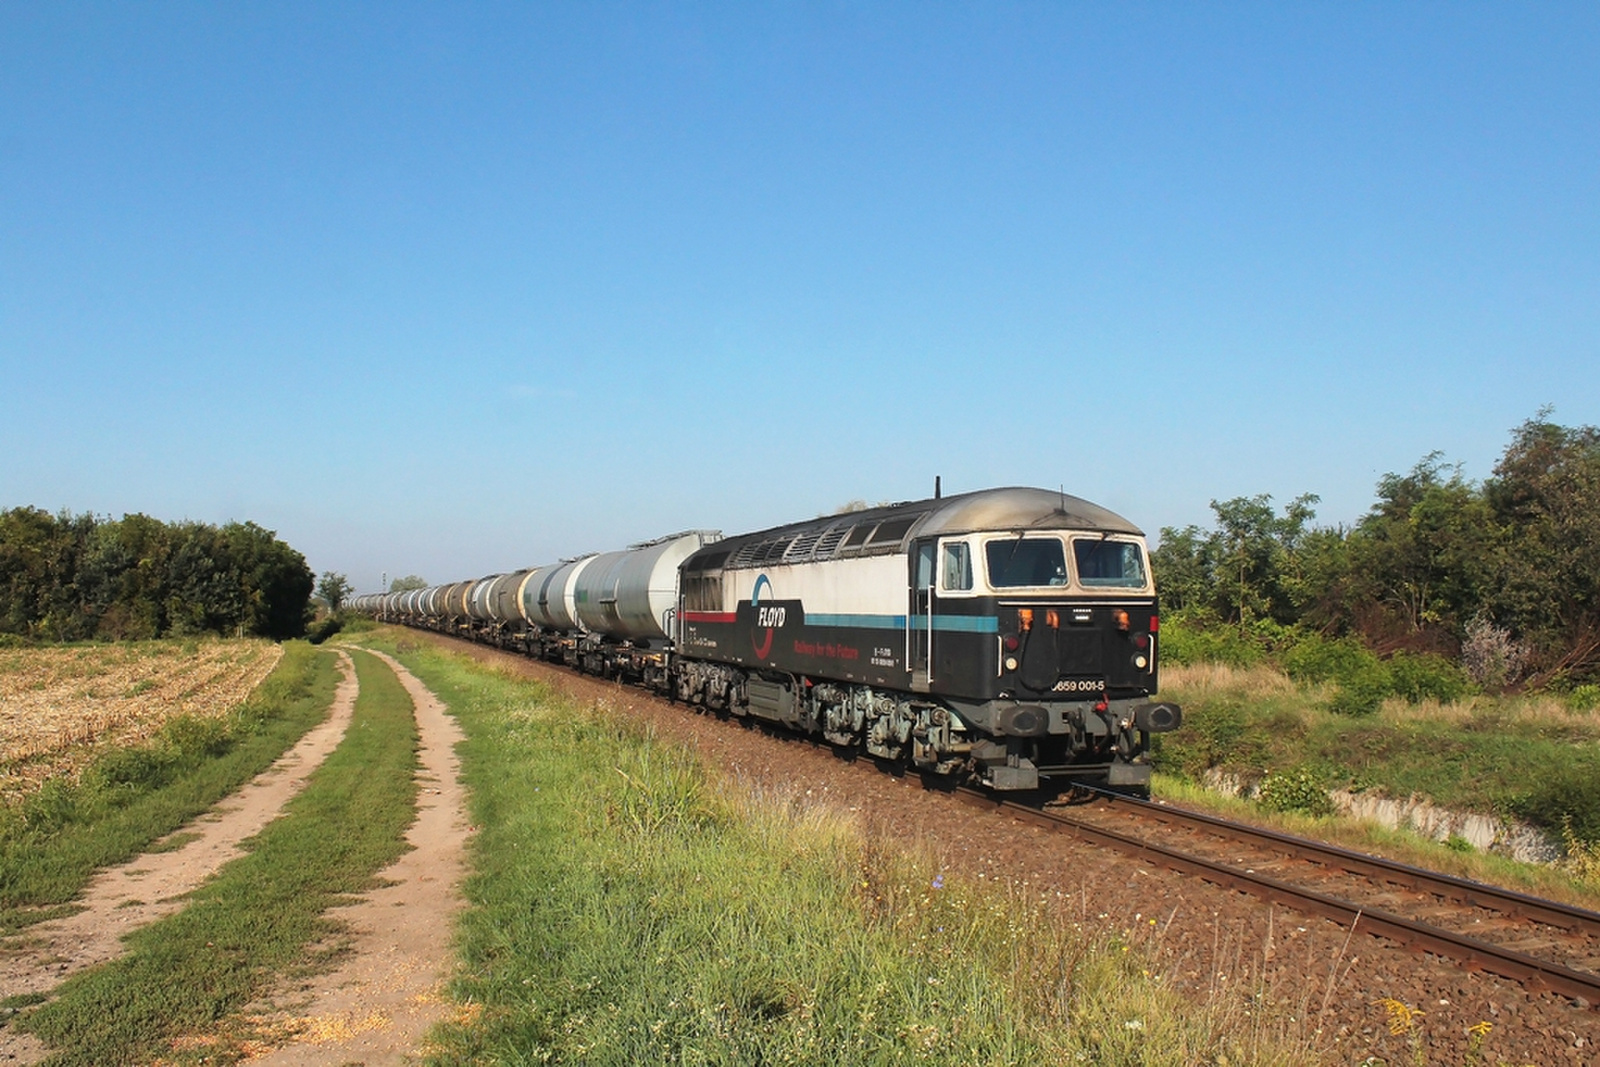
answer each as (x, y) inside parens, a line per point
(632, 595)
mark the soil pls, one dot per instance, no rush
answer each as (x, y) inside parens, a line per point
(1330, 985)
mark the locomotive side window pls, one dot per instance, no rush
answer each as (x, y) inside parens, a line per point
(925, 565)
(1025, 561)
(702, 592)
(1109, 563)
(956, 572)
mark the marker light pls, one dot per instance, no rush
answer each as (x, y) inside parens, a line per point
(1026, 617)
(1154, 628)
(1120, 617)
(1052, 619)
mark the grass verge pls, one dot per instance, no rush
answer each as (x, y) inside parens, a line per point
(256, 919)
(53, 842)
(628, 906)
(1255, 724)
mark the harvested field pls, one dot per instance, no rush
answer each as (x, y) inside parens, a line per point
(60, 706)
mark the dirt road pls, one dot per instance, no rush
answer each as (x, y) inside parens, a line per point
(376, 1008)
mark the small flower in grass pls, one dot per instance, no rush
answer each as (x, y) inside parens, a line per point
(938, 881)
(1402, 1016)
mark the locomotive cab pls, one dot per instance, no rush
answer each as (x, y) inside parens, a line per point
(1045, 640)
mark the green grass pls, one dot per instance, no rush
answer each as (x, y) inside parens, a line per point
(1523, 757)
(263, 913)
(1471, 755)
(627, 906)
(53, 842)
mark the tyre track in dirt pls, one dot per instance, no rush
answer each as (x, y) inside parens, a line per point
(380, 1003)
(122, 899)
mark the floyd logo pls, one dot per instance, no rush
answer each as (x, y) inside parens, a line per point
(768, 617)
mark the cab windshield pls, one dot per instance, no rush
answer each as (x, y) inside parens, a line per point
(1026, 561)
(1109, 563)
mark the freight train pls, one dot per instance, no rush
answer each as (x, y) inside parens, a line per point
(1007, 637)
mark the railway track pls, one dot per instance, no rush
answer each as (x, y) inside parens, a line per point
(1544, 945)
(1540, 943)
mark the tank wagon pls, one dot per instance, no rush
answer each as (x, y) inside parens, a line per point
(1008, 636)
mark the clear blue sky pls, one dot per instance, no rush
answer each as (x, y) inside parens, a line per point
(449, 289)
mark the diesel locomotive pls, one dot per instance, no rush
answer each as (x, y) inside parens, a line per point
(1008, 637)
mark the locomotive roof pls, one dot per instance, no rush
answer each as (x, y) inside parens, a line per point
(886, 529)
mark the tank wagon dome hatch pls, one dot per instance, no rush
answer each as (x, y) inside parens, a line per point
(886, 530)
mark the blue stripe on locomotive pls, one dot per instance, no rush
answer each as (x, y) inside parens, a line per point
(972, 624)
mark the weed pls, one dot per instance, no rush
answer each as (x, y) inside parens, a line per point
(1299, 789)
(1406, 1021)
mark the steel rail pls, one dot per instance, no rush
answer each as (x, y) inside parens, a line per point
(1473, 954)
(1478, 894)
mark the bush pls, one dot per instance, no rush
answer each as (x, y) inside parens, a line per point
(1563, 798)
(1315, 659)
(1419, 677)
(1584, 698)
(1199, 637)
(1362, 695)
(1490, 656)
(325, 629)
(1364, 680)
(1299, 789)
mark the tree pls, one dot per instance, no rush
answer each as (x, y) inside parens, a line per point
(276, 581)
(1546, 494)
(1183, 566)
(1427, 548)
(66, 577)
(1247, 568)
(333, 588)
(408, 583)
